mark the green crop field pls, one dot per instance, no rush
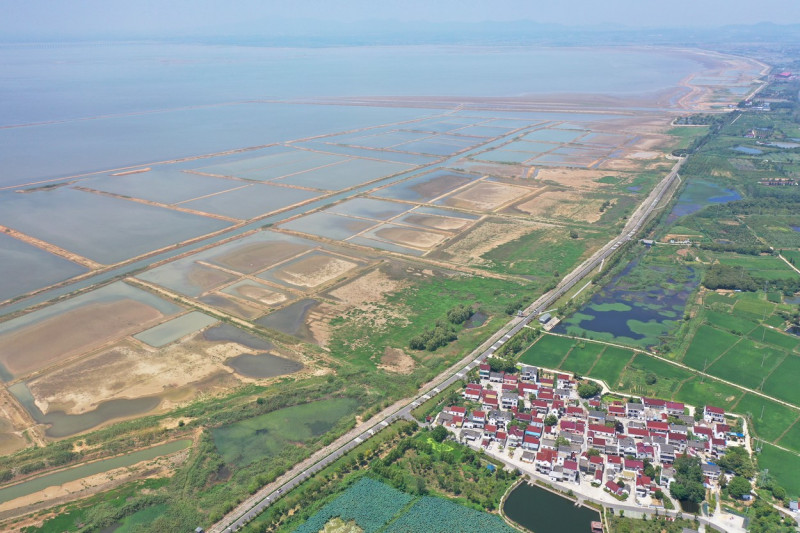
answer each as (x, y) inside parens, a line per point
(754, 305)
(610, 365)
(764, 267)
(437, 515)
(791, 439)
(784, 467)
(371, 504)
(265, 435)
(776, 338)
(582, 357)
(782, 383)
(700, 392)
(548, 351)
(669, 377)
(775, 419)
(747, 363)
(776, 230)
(730, 322)
(793, 256)
(706, 345)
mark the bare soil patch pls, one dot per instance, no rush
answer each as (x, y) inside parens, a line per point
(396, 361)
(76, 331)
(486, 196)
(411, 237)
(314, 270)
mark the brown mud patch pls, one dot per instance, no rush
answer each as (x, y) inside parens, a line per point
(257, 256)
(314, 270)
(486, 196)
(73, 332)
(486, 236)
(568, 205)
(396, 361)
(231, 306)
(411, 237)
(437, 222)
(260, 293)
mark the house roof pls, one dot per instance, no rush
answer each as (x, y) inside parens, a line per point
(717, 410)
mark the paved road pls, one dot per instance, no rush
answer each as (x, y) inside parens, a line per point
(257, 503)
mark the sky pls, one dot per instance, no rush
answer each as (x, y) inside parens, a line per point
(191, 17)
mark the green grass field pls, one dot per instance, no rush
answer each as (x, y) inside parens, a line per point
(775, 419)
(782, 383)
(747, 363)
(610, 365)
(266, 435)
(706, 345)
(784, 467)
(548, 351)
(582, 357)
(700, 392)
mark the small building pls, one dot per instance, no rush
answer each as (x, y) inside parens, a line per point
(545, 318)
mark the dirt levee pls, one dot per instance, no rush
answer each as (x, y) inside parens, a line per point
(38, 345)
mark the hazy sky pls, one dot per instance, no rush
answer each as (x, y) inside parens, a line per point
(42, 17)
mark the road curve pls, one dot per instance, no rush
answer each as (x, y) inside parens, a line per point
(256, 504)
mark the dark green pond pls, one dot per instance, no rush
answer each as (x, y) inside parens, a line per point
(542, 511)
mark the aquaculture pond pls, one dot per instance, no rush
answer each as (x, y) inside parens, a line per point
(640, 304)
(542, 511)
(698, 194)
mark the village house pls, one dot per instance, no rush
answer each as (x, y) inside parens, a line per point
(713, 414)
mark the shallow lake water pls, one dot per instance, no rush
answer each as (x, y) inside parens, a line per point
(698, 194)
(542, 511)
(101, 228)
(62, 424)
(27, 268)
(71, 474)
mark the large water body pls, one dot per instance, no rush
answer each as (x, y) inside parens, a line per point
(159, 84)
